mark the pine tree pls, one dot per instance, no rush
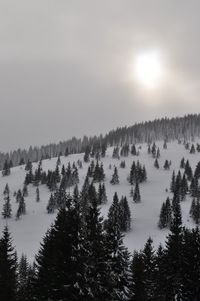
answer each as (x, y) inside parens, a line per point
(8, 268)
(25, 191)
(137, 284)
(136, 196)
(86, 157)
(23, 277)
(21, 208)
(18, 196)
(133, 150)
(7, 210)
(162, 219)
(166, 165)
(158, 153)
(98, 270)
(192, 150)
(156, 164)
(37, 195)
(51, 206)
(115, 177)
(6, 169)
(6, 191)
(174, 247)
(182, 164)
(60, 277)
(149, 260)
(125, 215)
(118, 254)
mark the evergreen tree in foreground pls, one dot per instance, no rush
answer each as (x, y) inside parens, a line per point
(8, 268)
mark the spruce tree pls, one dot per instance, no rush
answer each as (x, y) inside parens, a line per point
(125, 215)
(60, 277)
(51, 206)
(156, 164)
(21, 208)
(137, 283)
(37, 195)
(136, 195)
(8, 268)
(115, 177)
(173, 255)
(7, 210)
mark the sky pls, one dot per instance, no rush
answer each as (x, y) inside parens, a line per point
(66, 66)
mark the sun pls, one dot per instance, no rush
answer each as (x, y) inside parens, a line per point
(148, 69)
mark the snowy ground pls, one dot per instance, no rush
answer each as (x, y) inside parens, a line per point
(27, 232)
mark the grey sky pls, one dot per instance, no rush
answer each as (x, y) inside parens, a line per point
(64, 65)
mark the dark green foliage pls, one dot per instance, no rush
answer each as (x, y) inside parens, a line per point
(124, 150)
(115, 177)
(8, 268)
(115, 154)
(192, 150)
(137, 284)
(182, 164)
(165, 215)
(188, 171)
(6, 169)
(7, 210)
(136, 195)
(125, 215)
(86, 157)
(156, 164)
(122, 164)
(51, 206)
(102, 198)
(166, 165)
(21, 208)
(133, 150)
(58, 264)
(195, 211)
(37, 194)
(137, 173)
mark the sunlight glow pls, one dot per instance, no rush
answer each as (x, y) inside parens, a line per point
(147, 69)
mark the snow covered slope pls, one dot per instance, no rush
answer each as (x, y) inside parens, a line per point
(27, 232)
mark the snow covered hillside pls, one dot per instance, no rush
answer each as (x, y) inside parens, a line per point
(27, 232)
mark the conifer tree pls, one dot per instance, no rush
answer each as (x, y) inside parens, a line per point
(182, 164)
(21, 208)
(137, 284)
(156, 164)
(115, 177)
(51, 206)
(125, 215)
(97, 274)
(133, 150)
(6, 169)
(136, 195)
(6, 191)
(25, 191)
(166, 165)
(118, 254)
(149, 261)
(192, 150)
(8, 268)
(7, 210)
(60, 277)
(23, 278)
(174, 247)
(37, 195)
(86, 157)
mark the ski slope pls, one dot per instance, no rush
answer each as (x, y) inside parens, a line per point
(27, 232)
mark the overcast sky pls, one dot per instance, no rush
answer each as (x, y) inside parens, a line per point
(64, 66)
